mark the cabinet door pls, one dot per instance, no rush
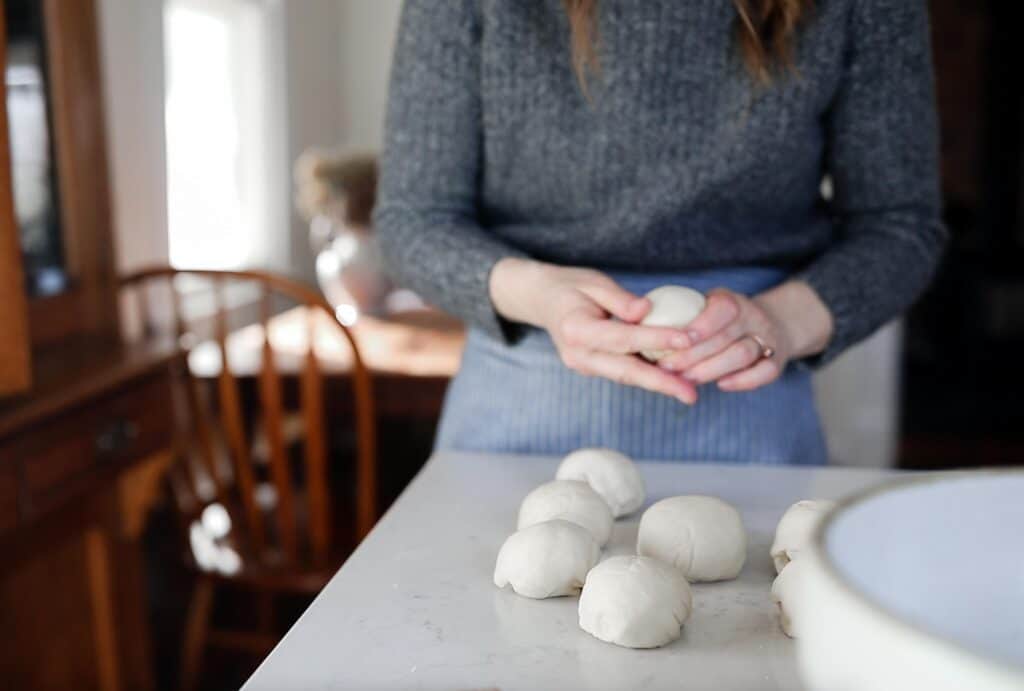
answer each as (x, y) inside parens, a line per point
(87, 304)
(15, 344)
(55, 163)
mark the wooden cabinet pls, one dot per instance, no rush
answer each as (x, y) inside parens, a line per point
(15, 344)
(60, 455)
(85, 427)
(80, 462)
(78, 297)
(8, 495)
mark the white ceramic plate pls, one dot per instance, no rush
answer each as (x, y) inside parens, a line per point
(919, 585)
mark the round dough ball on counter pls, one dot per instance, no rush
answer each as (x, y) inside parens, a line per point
(796, 528)
(635, 602)
(789, 594)
(673, 306)
(701, 536)
(546, 559)
(568, 500)
(611, 474)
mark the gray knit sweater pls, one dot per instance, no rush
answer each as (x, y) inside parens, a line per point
(679, 161)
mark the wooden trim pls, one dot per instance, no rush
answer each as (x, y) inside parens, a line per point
(76, 97)
(55, 317)
(101, 594)
(197, 626)
(72, 372)
(139, 489)
(15, 356)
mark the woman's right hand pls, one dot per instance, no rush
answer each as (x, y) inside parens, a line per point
(592, 321)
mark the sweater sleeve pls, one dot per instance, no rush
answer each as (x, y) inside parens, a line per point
(426, 215)
(881, 153)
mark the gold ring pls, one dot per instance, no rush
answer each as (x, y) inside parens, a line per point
(766, 350)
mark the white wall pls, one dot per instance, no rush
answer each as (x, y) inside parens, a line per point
(858, 398)
(312, 94)
(131, 46)
(366, 39)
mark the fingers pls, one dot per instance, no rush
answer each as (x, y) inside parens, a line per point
(723, 308)
(631, 371)
(764, 372)
(616, 300)
(738, 356)
(682, 360)
(581, 330)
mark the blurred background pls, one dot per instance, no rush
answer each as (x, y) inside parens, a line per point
(222, 135)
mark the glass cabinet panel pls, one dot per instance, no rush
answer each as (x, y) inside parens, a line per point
(33, 166)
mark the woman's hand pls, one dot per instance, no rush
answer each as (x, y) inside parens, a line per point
(790, 319)
(577, 306)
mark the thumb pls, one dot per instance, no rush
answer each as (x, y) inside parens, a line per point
(617, 301)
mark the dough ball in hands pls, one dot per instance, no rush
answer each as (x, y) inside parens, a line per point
(789, 594)
(636, 602)
(701, 536)
(795, 529)
(673, 306)
(571, 501)
(609, 473)
(546, 559)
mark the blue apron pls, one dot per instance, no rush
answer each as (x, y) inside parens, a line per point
(522, 399)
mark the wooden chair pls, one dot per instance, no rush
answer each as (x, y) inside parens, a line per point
(280, 536)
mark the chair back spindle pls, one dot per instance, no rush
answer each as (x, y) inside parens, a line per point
(273, 430)
(315, 448)
(234, 426)
(199, 417)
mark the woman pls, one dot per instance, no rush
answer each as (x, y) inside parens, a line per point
(547, 163)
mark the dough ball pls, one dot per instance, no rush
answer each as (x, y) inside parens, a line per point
(546, 559)
(636, 602)
(701, 536)
(568, 500)
(789, 593)
(674, 306)
(795, 529)
(609, 473)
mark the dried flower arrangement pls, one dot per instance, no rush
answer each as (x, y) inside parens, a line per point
(340, 187)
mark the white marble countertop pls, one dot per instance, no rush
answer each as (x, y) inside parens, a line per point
(415, 607)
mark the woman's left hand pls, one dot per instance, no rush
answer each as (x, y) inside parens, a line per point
(730, 339)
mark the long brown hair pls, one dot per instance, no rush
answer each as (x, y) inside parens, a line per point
(764, 32)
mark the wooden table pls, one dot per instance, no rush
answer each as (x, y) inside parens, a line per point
(412, 356)
(415, 605)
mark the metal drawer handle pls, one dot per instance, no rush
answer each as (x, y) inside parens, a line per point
(117, 436)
